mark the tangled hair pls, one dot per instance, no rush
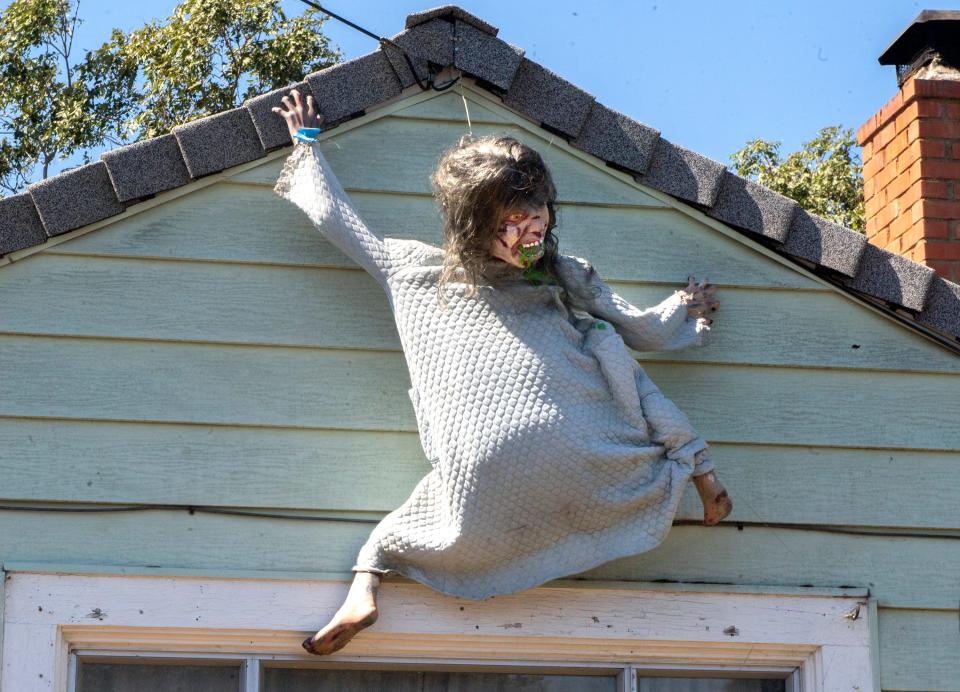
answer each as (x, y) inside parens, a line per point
(477, 181)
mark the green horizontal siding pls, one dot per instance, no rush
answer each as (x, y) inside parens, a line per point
(282, 467)
(889, 567)
(269, 304)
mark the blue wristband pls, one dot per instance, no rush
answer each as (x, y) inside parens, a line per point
(308, 134)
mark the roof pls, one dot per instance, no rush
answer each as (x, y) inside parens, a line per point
(450, 36)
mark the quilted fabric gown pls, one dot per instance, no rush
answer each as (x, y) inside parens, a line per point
(551, 449)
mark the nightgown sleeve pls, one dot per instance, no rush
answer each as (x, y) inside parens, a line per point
(663, 327)
(308, 182)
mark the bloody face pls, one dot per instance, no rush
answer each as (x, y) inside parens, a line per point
(519, 241)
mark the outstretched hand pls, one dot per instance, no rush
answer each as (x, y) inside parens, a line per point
(298, 115)
(700, 298)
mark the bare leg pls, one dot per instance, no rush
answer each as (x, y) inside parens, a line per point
(716, 503)
(358, 612)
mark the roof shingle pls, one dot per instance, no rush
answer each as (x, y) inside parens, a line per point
(75, 198)
(146, 168)
(218, 142)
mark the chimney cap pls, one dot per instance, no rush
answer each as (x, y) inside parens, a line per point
(935, 29)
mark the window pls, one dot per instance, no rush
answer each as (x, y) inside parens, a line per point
(107, 632)
(109, 673)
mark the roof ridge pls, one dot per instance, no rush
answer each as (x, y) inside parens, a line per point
(450, 36)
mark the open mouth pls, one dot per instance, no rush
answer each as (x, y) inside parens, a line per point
(528, 250)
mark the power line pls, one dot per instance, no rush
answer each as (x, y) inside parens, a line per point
(385, 41)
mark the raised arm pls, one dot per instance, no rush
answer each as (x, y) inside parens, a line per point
(666, 326)
(308, 181)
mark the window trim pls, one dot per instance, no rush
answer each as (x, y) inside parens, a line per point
(663, 629)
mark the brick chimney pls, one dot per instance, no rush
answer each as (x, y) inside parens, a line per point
(911, 148)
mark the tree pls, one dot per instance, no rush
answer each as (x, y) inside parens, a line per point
(207, 57)
(50, 106)
(825, 177)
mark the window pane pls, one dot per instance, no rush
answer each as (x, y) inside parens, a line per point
(313, 680)
(711, 685)
(125, 677)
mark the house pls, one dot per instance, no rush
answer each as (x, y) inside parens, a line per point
(191, 456)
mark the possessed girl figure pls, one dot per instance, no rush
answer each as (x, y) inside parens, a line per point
(551, 449)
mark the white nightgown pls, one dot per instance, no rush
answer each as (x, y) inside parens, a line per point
(551, 449)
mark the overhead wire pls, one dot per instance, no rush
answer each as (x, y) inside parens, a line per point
(206, 509)
(386, 41)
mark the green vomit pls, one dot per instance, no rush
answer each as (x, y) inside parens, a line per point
(528, 257)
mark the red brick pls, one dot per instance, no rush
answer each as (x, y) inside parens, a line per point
(886, 175)
(872, 206)
(886, 135)
(933, 189)
(896, 145)
(953, 111)
(930, 108)
(932, 148)
(883, 238)
(941, 250)
(956, 150)
(937, 88)
(938, 209)
(897, 187)
(909, 89)
(915, 171)
(907, 115)
(885, 216)
(900, 225)
(945, 169)
(913, 131)
(943, 129)
(947, 270)
(873, 166)
(934, 228)
(865, 132)
(955, 230)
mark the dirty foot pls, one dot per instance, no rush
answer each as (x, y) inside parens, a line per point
(358, 612)
(716, 502)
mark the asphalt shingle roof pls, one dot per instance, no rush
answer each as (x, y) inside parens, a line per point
(449, 35)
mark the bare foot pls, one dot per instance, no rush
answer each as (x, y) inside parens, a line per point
(358, 612)
(716, 502)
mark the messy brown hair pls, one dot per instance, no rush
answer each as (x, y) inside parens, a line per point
(477, 181)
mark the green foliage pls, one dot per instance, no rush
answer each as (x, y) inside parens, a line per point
(49, 106)
(211, 55)
(207, 57)
(825, 177)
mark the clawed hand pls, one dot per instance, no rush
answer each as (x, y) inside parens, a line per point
(700, 298)
(298, 116)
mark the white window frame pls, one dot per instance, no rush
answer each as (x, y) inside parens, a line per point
(51, 618)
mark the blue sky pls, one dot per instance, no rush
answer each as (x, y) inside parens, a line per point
(709, 75)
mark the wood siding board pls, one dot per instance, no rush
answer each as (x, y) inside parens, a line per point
(78, 461)
(82, 378)
(406, 151)
(890, 567)
(250, 224)
(449, 107)
(918, 650)
(217, 302)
